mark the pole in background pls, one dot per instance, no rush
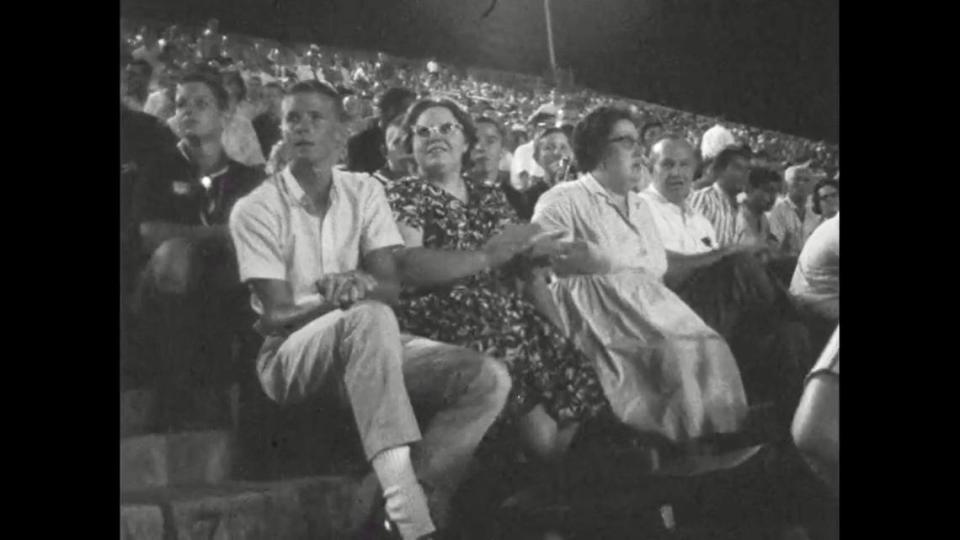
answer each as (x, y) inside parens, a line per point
(553, 54)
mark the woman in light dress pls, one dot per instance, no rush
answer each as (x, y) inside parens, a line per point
(663, 370)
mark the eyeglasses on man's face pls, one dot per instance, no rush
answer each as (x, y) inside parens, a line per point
(446, 129)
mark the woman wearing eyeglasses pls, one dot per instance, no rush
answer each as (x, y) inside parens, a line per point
(466, 280)
(663, 369)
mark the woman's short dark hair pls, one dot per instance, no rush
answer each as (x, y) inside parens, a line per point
(469, 130)
(591, 134)
(816, 193)
(213, 82)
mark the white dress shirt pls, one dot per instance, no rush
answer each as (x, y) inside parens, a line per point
(279, 234)
(682, 229)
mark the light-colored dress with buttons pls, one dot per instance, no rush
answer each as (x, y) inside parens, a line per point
(662, 368)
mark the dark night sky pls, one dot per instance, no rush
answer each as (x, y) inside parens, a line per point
(771, 63)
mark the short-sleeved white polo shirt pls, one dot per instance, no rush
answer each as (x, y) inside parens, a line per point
(279, 234)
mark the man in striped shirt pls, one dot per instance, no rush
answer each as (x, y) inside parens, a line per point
(718, 202)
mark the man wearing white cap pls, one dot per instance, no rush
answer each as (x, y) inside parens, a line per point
(524, 166)
(713, 141)
(792, 219)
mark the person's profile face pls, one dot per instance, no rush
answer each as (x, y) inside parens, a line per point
(197, 114)
(623, 159)
(673, 168)
(312, 131)
(489, 148)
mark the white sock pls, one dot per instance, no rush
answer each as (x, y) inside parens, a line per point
(406, 503)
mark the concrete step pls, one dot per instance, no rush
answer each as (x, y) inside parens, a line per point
(306, 508)
(211, 409)
(186, 458)
(137, 412)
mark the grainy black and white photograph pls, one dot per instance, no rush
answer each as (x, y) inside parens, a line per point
(479, 269)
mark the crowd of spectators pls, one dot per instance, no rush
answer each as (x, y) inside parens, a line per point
(520, 259)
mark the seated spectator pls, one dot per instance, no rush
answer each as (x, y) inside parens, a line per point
(188, 299)
(239, 137)
(752, 227)
(254, 104)
(714, 140)
(718, 201)
(651, 133)
(160, 102)
(366, 151)
(826, 198)
(466, 292)
(399, 163)
(524, 166)
(139, 73)
(792, 219)
(816, 426)
(267, 123)
(816, 280)
(142, 139)
(323, 310)
(487, 155)
(554, 156)
(142, 136)
(642, 338)
(728, 287)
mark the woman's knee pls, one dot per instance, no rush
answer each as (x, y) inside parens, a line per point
(540, 434)
(174, 266)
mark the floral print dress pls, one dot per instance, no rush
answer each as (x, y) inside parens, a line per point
(485, 311)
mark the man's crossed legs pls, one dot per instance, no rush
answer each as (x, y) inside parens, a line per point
(360, 355)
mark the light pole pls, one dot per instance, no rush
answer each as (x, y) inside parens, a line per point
(553, 54)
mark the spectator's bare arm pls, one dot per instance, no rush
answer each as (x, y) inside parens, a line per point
(280, 314)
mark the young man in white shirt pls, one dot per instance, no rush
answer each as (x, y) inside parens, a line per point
(316, 246)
